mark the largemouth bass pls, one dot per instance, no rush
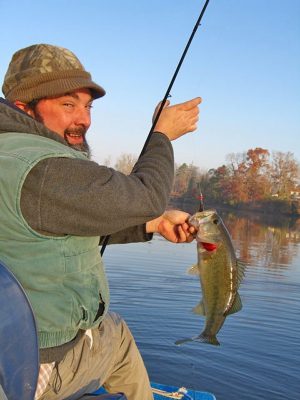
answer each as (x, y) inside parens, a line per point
(220, 275)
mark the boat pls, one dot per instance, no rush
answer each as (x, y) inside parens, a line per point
(19, 371)
(165, 392)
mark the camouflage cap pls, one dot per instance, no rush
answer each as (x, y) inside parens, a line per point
(43, 70)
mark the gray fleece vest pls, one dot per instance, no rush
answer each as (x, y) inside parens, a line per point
(63, 276)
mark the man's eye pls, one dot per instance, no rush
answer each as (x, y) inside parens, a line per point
(68, 105)
(89, 107)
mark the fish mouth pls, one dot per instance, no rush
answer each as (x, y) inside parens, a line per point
(208, 233)
(208, 242)
(209, 246)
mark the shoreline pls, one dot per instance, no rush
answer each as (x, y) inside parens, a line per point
(290, 209)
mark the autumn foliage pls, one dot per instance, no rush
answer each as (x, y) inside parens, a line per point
(248, 177)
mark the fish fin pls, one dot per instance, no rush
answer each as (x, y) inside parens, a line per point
(241, 268)
(194, 270)
(236, 306)
(209, 339)
(182, 341)
(199, 308)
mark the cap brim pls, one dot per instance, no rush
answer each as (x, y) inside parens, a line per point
(97, 90)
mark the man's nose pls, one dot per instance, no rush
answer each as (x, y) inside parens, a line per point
(83, 117)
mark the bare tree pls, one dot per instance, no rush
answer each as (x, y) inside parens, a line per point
(285, 174)
(107, 161)
(125, 163)
(234, 160)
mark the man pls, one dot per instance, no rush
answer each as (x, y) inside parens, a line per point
(56, 205)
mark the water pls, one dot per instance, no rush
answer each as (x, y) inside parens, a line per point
(259, 356)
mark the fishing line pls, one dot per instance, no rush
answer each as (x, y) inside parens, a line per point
(167, 95)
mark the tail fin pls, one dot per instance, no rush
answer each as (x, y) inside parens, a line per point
(209, 339)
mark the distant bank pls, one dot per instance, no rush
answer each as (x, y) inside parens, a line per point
(289, 208)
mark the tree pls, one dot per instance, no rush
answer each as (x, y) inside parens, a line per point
(193, 181)
(257, 174)
(187, 180)
(217, 186)
(107, 161)
(181, 179)
(125, 163)
(234, 160)
(285, 174)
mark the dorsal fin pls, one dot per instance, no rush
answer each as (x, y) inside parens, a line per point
(241, 268)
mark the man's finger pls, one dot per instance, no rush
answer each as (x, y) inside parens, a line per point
(181, 234)
(188, 105)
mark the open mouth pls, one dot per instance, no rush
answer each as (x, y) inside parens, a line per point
(209, 246)
(74, 138)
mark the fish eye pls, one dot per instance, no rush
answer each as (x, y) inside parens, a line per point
(216, 221)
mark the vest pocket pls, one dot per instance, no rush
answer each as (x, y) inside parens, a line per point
(86, 299)
(82, 261)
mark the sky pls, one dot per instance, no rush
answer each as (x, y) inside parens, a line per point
(244, 62)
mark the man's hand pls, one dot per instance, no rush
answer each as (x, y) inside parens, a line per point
(173, 226)
(179, 119)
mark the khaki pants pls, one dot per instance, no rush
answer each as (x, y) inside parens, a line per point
(110, 359)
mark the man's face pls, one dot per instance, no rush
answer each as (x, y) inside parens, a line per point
(69, 116)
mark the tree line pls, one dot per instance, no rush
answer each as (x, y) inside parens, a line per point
(246, 177)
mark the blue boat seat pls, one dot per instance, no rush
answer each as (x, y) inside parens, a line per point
(19, 355)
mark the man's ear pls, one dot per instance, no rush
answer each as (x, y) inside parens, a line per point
(24, 107)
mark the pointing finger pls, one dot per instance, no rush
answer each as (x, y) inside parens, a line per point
(189, 105)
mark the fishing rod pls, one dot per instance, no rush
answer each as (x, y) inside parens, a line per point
(166, 96)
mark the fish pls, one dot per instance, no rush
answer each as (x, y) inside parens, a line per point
(220, 275)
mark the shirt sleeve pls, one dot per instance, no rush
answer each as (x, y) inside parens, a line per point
(133, 234)
(73, 196)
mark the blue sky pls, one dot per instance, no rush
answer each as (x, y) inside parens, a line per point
(244, 62)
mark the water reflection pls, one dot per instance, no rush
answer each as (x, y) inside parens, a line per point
(260, 240)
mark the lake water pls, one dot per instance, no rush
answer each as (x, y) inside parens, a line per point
(259, 356)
